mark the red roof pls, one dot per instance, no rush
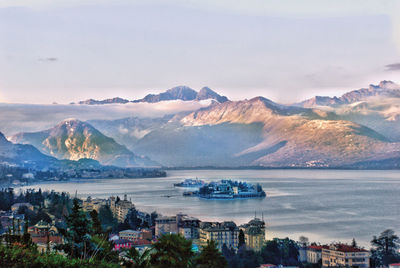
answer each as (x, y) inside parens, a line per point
(347, 248)
(394, 264)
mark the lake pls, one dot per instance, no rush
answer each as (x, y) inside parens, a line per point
(324, 205)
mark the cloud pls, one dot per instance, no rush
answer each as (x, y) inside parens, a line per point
(392, 67)
(48, 59)
(30, 117)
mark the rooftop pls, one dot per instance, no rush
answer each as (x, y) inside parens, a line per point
(346, 248)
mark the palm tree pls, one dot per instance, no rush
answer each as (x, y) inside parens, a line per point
(172, 250)
(137, 259)
(210, 257)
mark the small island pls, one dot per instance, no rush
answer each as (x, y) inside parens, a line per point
(228, 189)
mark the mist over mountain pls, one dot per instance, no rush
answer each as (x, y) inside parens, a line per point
(73, 140)
(256, 132)
(358, 129)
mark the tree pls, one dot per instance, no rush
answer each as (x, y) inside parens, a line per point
(172, 250)
(210, 257)
(96, 222)
(106, 217)
(241, 239)
(280, 251)
(137, 259)
(354, 243)
(303, 241)
(385, 248)
(77, 234)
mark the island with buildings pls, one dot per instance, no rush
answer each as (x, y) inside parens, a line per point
(228, 189)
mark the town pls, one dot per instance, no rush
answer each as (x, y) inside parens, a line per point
(113, 231)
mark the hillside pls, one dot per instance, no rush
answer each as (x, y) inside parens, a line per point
(73, 140)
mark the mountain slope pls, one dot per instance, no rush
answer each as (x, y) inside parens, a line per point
(206, 93)
(177, 93)
(23, 155)
(73, 140)
(386, 89)
(106, 101)
(286, 136)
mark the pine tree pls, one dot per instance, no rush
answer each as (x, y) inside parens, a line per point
(210, 257)
(241, 239)
(354, 243)
(96, 222)
(77, 233)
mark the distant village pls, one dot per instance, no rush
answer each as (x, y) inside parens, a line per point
(130, 228)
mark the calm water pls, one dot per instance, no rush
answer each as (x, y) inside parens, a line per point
(324, 205)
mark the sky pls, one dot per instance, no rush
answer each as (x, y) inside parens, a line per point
(286, 50)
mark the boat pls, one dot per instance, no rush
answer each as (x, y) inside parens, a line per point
(190, 183)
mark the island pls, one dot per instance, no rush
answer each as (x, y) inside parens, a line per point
(228, 189)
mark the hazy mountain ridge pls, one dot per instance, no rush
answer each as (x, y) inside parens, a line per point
(309, 138)
(106, 101)
(23, 154)
(183, 93)
(257, 132)
(74, 140)
(387, 89)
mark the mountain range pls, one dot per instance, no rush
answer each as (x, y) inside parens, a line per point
(360, 129)
(386, 89)
(183, 93)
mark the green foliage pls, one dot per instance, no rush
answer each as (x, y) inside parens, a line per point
(103, 249)
(210, 257)
(172, 251)
(241, 239)
(135, 259)
(17, 256)
(97, 229)
(385, 248)
(77, 234)
(106, 217)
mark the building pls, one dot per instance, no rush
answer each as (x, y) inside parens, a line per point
(144, 234)
(314, 254)
(93, 204)
(225, 233)
(43, 233)
(16, 206)
(122, 243)
(187, 226)
(394, 265)
(166, 225)
(254, 234)
(275, 266)
(342, 255)
(120, 208)
(12, 221)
